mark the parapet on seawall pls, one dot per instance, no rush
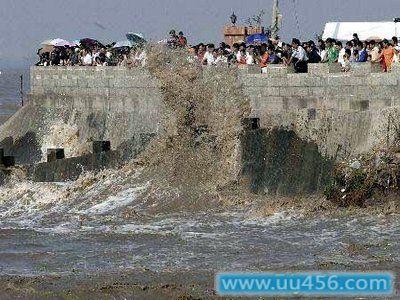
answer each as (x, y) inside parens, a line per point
(342, 113)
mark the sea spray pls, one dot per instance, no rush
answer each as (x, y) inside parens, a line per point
(196, 98)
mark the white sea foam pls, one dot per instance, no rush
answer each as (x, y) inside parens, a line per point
(122, 199)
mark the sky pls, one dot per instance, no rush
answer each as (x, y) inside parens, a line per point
(24, 24)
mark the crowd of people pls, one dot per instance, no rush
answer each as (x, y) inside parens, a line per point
(94, 55)
(297, 54)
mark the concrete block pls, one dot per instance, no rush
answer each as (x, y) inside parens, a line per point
(311, 114)
(361, 105)
(377, 104)
(395, 69)
(339, 80)
(318, 92)
(270, 104)
(99, 82)
(251, 123)
(376, 68)
(146, 137)
(99, 103)
(82, 83)
(322, 69)
(381, 79)
(305, 80)
(294, 91)
(101, 146)
(262, 80)
(244, 69)
(8, 161)
(291, 104)
(360, 69)
(261, 92)
(277, 70)
(254, 69)
(55, 154)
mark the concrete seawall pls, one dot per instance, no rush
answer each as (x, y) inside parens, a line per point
(71, 107)
(335, 114)
(343, 113)
(131, 96)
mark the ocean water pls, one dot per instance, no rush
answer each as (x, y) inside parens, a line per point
(10, 96)
(104, 223)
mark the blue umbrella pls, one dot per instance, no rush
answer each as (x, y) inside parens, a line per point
(256, 38)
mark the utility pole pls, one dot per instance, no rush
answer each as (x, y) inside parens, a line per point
(21, 89)
(276, 19)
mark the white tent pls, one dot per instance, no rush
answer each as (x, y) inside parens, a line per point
(343, 31)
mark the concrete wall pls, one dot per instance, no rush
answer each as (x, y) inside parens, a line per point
(344, 113)
(69, 107)
(117, 90)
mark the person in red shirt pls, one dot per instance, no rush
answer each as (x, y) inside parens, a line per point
(387, 55)
(182, 41)
(264, 59)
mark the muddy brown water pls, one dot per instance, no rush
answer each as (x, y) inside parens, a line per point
(199, 244)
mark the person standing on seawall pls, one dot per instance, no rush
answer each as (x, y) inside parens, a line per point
(182, 41)
(387, 55)
(396, 47)
(299, 57)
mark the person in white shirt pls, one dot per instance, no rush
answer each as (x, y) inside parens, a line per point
(250, 56)
(208, 58)
(87, 59)
(342, 52)
(396, 47)
(241, 55)
(95, 54)
(299, 57)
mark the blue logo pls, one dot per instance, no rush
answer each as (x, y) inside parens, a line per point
(304, 284)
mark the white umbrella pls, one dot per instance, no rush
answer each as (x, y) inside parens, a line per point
(46, 43)
(125, 43)
(58, 43)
